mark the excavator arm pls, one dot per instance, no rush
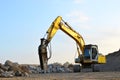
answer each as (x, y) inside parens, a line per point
(58, 24)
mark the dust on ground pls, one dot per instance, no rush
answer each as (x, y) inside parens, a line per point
(71, 76)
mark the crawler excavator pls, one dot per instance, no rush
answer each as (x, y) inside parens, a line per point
(88, 55)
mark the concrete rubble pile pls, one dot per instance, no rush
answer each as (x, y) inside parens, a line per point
(10, 69)
(34, 69)
(59, 68)
(52, 68)
(113, 62)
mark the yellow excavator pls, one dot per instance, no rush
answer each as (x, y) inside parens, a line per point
(88, 55)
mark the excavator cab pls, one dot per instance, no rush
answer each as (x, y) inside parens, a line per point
(90, 57)
(90, 53)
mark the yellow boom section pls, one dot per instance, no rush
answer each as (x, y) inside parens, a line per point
(58, 23)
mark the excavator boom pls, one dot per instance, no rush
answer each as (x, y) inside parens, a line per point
(60, 24)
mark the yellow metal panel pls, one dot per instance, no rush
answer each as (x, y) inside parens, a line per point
(57, 24)
(101, 59)
(75, 35)
(53, 28)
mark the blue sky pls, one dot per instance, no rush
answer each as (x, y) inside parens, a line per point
(24, 22)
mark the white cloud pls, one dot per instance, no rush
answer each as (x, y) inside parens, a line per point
(107, 39)
(78, 20)
(105, 36)
(77, 1)
(109, 44)
(77, 17)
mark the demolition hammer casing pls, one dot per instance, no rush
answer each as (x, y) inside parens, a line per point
(42, 52)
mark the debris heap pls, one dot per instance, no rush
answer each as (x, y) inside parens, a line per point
(10, 69)
(59, 68)
(113, 62)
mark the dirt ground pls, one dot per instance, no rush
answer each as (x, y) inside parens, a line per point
(71, 76)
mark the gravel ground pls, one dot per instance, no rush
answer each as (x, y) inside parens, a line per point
(71, 76)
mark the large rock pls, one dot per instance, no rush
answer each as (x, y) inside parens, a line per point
(34, 69)
(10, 69)
(24, 68)
(1, 70)
(18, 73)
(5, 68)
(7, 74)
(10, 63)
